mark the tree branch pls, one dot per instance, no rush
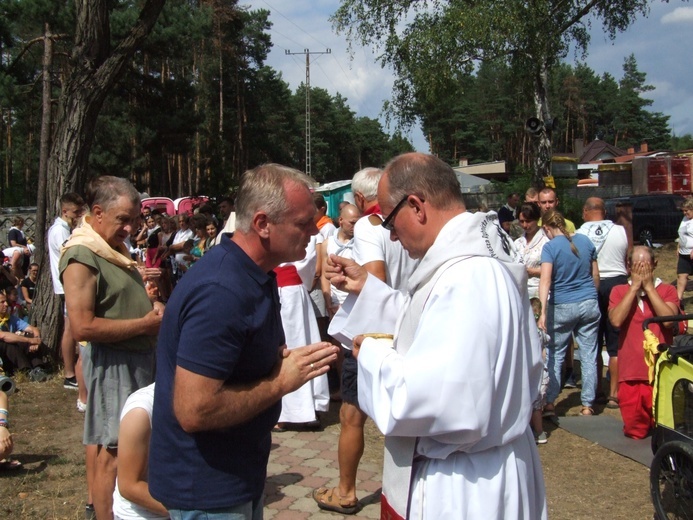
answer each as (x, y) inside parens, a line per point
(108, 71)
(578, 16)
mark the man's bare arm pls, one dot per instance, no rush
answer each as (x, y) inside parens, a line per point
(619, 313)
(79, 282)
(378, 269)
(201, 403)
(133, 451)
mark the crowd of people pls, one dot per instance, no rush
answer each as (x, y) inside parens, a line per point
(230, 317)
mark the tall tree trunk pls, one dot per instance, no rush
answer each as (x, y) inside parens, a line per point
(95, 71)
(542, 159)
(222, 146)
(8, 154)
(49, 320)
(44, 148)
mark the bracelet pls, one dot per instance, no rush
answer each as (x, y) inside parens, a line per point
(3, 411)
(4, 423)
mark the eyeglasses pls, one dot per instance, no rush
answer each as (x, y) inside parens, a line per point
(387, 223)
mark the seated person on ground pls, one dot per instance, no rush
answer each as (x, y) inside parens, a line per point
(15, 307)
(20, 345)
(28, 285)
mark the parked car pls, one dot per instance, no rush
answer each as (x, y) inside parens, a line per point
(655, 217)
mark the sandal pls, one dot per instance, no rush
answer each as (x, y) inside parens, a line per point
(10, 464)
(612, 402)
(586, 411)
(329, 500)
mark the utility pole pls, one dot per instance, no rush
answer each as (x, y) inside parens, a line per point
(307, 52)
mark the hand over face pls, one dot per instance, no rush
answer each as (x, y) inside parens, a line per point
(642, 275)
(647, 276)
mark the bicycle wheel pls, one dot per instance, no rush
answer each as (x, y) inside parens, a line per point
(671, 481)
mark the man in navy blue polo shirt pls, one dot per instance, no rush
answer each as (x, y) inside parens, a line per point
(222, 363)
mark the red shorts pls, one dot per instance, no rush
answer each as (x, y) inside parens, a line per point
(635, 402)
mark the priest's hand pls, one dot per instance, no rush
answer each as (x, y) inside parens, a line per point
(345, 274)
(356, 345)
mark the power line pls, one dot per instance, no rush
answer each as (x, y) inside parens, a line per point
(292, 22)
(363, 102)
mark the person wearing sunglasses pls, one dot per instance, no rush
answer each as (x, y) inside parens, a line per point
(389, 262)
(454, 396)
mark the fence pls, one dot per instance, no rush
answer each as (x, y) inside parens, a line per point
(7, 216)
(490, 198)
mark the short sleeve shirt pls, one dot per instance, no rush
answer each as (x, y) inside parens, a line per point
(222, 322)
(120, 295)
(571, 274)
(16, 324)
(30, 287)
(631, 359)
(372, 243)
(17, 235)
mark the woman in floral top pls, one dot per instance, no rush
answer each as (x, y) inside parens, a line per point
(530, 244)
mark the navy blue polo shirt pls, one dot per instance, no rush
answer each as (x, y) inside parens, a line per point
(222, 321)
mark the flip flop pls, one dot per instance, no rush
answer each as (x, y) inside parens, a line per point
(10, 464)
(278, 429)
(329, 500)
(586, 411)
(612, 403)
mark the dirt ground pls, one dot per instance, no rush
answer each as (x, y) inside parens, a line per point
(583, 480)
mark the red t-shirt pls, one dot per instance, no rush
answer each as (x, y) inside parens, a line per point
(631, 356)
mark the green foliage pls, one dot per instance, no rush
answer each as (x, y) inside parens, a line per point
(570, 206)
(518, 183)
(195, 108)
(482, 116)
(429, 43)
(683, 142)
(197, 105)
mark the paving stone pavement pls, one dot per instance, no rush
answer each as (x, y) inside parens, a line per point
(302, 461)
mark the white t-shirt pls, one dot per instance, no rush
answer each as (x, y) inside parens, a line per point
(182, 236)
(328, 230)
(686, 236)
(123, 508)
(611, 243)
(58, 233)
(333, 246)
(372, 243)
(306, 267)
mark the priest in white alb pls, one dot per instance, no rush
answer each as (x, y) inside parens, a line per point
(454, 394)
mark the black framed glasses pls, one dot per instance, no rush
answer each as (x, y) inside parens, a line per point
(387, 223)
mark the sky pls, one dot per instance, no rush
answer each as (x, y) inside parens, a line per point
(660, 43)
